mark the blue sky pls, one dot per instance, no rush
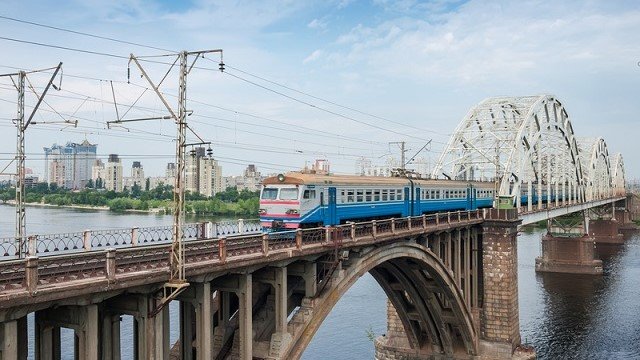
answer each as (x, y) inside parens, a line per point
(423, 64)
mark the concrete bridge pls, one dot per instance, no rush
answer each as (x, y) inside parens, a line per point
(451, 278)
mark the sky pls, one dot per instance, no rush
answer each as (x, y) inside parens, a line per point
(335, 79)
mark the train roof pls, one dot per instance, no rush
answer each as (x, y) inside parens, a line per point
(299, 178)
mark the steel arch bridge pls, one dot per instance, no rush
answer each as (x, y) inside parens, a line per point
(527, 146)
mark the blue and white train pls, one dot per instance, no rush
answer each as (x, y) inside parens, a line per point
(301, 200)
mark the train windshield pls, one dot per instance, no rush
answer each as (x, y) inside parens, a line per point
(288, 194)
(269, 193)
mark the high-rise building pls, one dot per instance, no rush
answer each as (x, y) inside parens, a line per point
(203, 175)
(170, 172)
(98, 173)
(69, 166)
(210, 181)
(113, 174)
(137, 173)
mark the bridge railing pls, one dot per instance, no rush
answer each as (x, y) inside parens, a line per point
(34, 273)
(65, 243)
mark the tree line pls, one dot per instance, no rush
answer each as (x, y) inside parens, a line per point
(228, 202)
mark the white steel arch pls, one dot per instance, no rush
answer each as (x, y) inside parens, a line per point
(525, 145)
(618, 180)
(594, 156)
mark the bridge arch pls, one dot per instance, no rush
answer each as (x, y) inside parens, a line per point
(597, 168)
(618, 180)
(524, 144)
(427, 300)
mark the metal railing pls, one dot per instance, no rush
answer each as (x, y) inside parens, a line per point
(88, 240)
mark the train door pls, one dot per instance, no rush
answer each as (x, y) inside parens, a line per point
(472, 199)
(417, 208)
(332, 207)
(407, 202)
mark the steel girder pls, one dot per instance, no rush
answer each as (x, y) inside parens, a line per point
(618, 180)
(594, 156)
(516, 141)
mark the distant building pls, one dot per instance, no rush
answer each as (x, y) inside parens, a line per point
(98, 174)
(136, 178)
(69, 166)
(203, 175)
(113, 174)
(250, 180)
(171, 170)
(168, 179)
(30, 181)
(210, 181)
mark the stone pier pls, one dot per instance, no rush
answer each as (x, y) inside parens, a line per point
(568, 254)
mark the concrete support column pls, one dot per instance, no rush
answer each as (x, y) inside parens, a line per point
(151, 334)
(187, 317)
(47, 338)
(221, 332)
(110, 337)
(310, 279)
(245, 296)
(204, 322)
(13, 335)
(467, 267)
(458, 258)
(500, 325)
(87, 333)
(281, 338)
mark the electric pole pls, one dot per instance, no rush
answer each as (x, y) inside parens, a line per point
(402, 152)
(177, 280)
(20, 157)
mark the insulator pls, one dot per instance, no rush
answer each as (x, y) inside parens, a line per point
(209, 151)
(221, 66)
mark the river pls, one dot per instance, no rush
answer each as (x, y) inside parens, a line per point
(562, 316)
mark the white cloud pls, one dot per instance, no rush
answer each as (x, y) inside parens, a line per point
(315, 55)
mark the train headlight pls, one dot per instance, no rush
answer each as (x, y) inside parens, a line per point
(262, 211)
(293, 211)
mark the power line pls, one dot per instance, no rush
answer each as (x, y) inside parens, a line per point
(209, 69)
(329, 101)
(317, 107)
(85, 34)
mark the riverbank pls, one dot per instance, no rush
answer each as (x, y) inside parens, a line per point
(85, 207)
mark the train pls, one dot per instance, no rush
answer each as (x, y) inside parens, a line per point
(303, 200)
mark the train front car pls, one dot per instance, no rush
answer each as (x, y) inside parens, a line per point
(280, 203)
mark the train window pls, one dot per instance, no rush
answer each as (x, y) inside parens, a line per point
(446, 194)
(343, 196)
(367, 196)
(311, 194)
(399, 194)
(427, 194)
(392, 195)
(350, 196)
(376, 195)
(269, 193)
(288, 194)
(385, 195)
(359, 197)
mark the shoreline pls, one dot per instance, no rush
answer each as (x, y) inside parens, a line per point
(86, 207)
(154, 211)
